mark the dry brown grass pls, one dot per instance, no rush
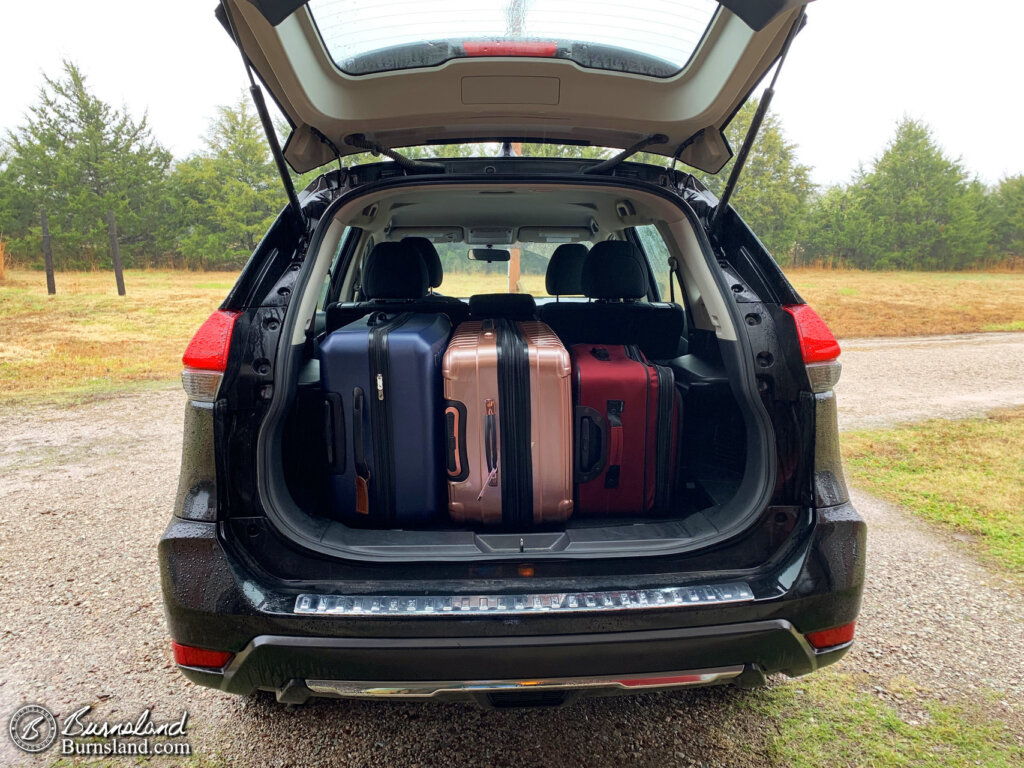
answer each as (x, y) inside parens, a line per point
(87, 339)
(856, 303)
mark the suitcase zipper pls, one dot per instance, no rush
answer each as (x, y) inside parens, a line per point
(516, 457)
(633, 353)
(662, 467)
(383, 477)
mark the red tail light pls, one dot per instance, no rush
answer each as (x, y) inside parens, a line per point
(817, 343)
(208, 349)
(818, 347)
(189, 656)
(207, 356)
(510, 48)
(828, 638)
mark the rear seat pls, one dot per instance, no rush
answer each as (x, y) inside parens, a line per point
(391, 276)
(615, 276)
(435, 276)
(564, 276)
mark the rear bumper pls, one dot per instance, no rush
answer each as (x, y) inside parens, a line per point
(502, 658)
(496, 670)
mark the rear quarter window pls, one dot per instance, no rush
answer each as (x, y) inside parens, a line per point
(658, 254)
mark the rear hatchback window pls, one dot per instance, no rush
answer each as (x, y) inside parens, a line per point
(655, 38)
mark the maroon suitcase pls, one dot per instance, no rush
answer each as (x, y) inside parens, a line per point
(626, 423)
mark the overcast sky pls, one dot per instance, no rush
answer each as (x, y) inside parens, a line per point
(855, 70)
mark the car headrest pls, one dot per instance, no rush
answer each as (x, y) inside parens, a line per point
(394, 271)
(432, 260)
(565, 270)
(614, 269)
(514, 306)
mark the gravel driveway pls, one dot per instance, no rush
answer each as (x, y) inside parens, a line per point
(928, 377)
(86, 492)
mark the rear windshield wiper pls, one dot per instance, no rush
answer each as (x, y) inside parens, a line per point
(628, 152)
(359, 141)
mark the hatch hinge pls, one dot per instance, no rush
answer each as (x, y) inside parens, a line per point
(268, 127)
(755, 123)
(331, 146)
(682, 147)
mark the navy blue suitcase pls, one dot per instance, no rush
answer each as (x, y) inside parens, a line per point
(383, 418)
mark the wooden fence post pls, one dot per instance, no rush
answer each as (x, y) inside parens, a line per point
(51, 285)
(115, 253)
(514, 254)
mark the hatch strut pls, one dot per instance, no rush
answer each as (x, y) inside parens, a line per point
(755, 124)
(268, 127)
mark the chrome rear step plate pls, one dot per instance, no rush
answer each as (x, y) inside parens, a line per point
(424, 689)
(549, 602)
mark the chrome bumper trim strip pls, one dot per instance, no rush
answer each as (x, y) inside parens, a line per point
(421, 689)
(551, 602)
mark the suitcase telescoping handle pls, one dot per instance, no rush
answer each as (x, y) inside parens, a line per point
(490, 447)
(358, 453)
(614, 417)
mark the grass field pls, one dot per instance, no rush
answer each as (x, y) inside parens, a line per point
(86, 339)
(832, 718)
(967, 475)
(856, 303)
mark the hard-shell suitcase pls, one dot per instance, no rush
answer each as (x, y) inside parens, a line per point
(508, 422)
(382, 416)
(626, 421)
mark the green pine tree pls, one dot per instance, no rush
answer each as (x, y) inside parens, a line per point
(774, 188)
(78, 157)
(226, 196)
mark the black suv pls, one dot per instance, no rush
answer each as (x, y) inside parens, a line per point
(756, 563)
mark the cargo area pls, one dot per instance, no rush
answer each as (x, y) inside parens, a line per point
(416, 464)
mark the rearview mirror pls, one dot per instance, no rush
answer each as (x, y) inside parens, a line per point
(489, 254)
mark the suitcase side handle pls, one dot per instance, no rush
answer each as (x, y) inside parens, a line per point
(591, 444)
(334, 432)
(455, 441)
(358, 454)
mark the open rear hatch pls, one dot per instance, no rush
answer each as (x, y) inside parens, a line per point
(351, 76)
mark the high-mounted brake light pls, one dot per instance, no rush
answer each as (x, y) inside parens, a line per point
(829, 638)
(818, 346)
(510, 48)
(206, 357)
(190, 656)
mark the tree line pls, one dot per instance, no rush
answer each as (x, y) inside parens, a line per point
(911, 207)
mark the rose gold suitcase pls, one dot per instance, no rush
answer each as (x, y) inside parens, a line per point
(508, 421)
